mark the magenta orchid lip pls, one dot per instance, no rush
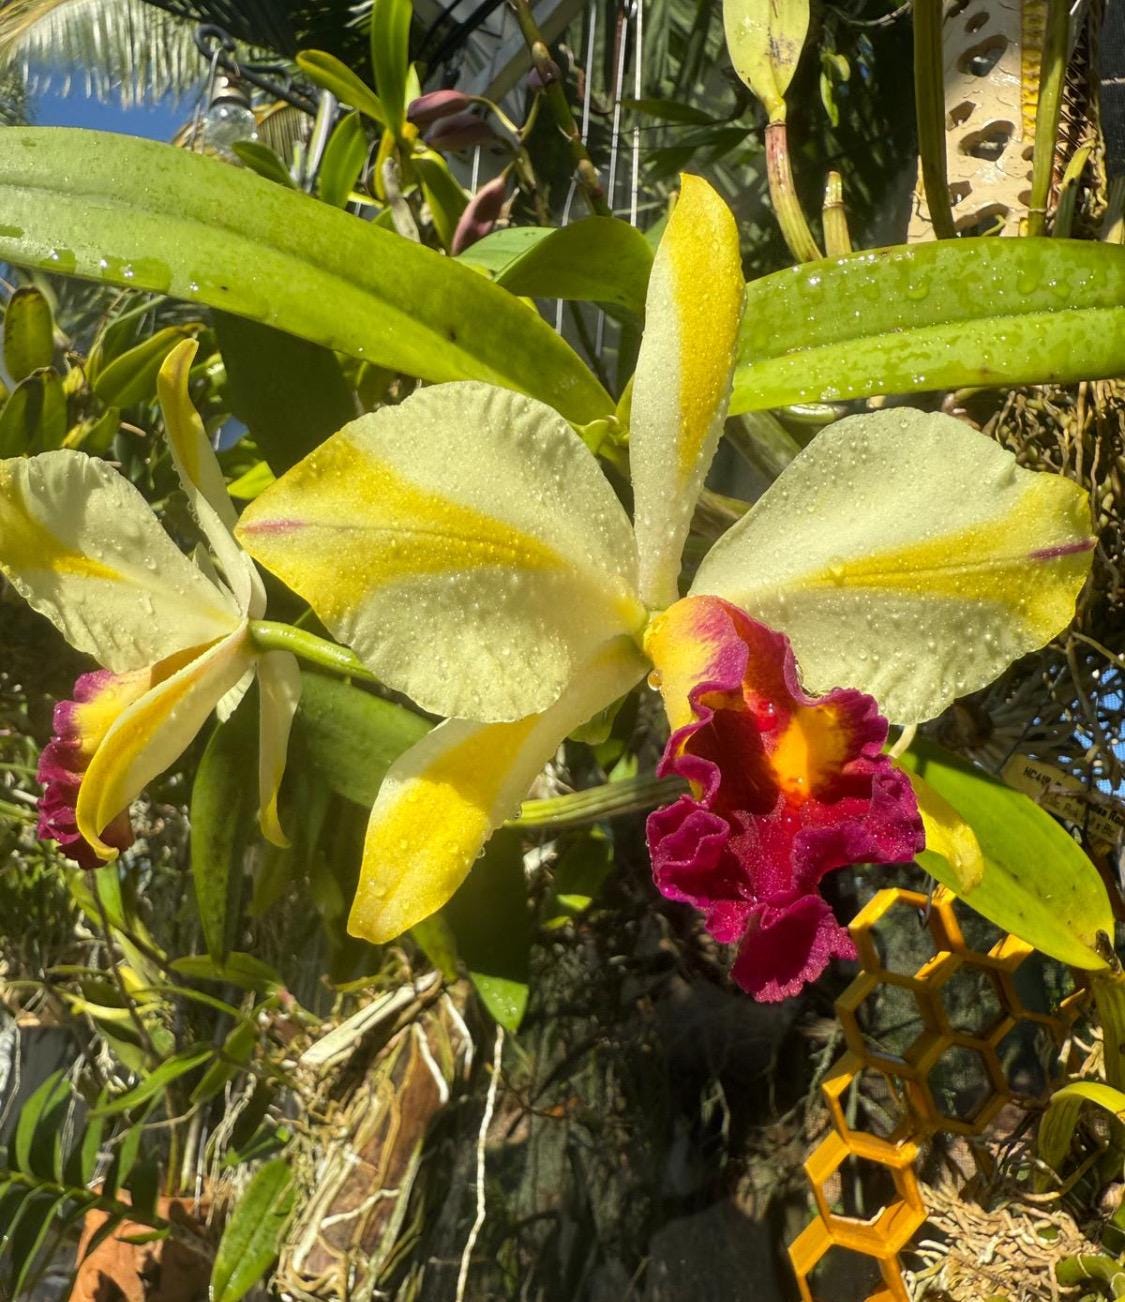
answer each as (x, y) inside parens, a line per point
(785, 789)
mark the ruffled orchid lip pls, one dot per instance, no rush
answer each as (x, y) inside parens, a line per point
(785, 789)
(62, 765)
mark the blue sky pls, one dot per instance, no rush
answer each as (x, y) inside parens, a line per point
(158, 121)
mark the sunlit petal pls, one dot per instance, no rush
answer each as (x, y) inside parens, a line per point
(154, 730)
(82, 547)
(683, 377)
(202, 479)
(907, 555)
(464, 543)
(443, 799)
(279, 688)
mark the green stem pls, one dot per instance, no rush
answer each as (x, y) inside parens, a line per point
(631, 796)
(1052, 72)
(1109, 996)
(783, 195)
(929, 104)
(585, 172)
(270, 636)
(837, 238)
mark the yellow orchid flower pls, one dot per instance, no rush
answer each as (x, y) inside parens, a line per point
(467, 546)
(83, 547)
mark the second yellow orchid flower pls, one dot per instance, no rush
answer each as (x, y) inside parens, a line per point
(82, 546)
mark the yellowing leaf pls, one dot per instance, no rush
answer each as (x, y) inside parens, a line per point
(765, 39)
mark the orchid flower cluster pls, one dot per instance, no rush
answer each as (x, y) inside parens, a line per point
(468, 548)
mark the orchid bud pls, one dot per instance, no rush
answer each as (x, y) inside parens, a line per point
(481, 214)
(427, 109)
(461, 131)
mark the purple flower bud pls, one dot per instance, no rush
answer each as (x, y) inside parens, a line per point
(481, 215)
(461, 131)
(427, 109)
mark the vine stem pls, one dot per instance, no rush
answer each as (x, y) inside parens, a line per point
(586, 174)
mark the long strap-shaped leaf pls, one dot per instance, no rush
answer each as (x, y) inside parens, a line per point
(145, 215)
(943, 315)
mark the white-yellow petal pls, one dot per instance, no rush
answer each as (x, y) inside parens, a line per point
(464, 543)
(202, 478)
(907, 555)
(82, 546)
(279, 691)
(442, 800)
(683, 378)
(151, 733)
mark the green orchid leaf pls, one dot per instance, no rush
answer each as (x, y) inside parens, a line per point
(1056, 1129)
(131, 377)
(252, 1235)
(351, 737)
(1037, 883)
(327, 71)
(292, 394)
(34, 417)
(390, 57)
(343, 158)
(496, 251)
(946, 314)
(765, 39)
(599, 259)
(444, 196)
(261, 159)
(489, 918)
(157, 1080)
(144, 215)
(29, 334)
(223, 823)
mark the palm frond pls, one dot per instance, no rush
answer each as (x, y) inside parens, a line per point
(122, 48)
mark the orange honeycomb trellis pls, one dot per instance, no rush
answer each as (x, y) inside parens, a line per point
(884, 1236)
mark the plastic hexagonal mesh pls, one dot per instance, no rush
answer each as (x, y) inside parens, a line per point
(949, 1070)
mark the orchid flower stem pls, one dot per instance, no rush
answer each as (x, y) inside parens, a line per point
(270, 636)
(929, 106)
(585, 172)
(783, 195)
(1052, 72)
(633, 795)
(1109, 996)
(904, 741)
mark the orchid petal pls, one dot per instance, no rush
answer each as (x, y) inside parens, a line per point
(683, 377)
(202, 479)
(81, 546)
(152, 732)
(949, 835)
(279, 687)
(464, 543)
(909, 556)
(442, 800)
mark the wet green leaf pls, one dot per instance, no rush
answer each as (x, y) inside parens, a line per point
(136, 213)
(945, 314)
(34, 417)
(1037, 882)
(765, 39)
